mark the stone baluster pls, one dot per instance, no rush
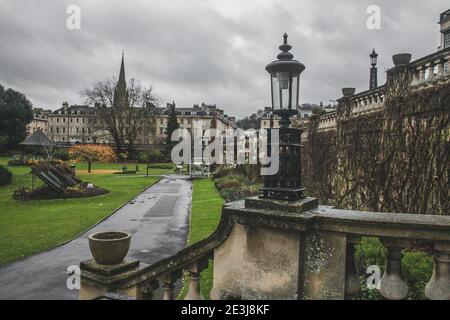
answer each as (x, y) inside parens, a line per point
(422, 71)
(169, 281)
(194, 279)
(438, 288)
(416, 76)
(145, 291)
(352, 282)
(431, 75)
(392, 285)
(440, 69)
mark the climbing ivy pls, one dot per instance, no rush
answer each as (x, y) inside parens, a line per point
(393, 160)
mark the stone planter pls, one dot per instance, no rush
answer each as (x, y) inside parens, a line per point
(109, 247)
(401, 59)
(348, 92)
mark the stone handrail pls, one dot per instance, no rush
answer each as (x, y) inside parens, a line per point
(396, 232)
(367, 101)
(143, 279)
(431, 69)
(327, 121)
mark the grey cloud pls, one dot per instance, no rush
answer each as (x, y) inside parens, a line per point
(211, 51)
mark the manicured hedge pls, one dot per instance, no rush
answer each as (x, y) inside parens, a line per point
(5, 176)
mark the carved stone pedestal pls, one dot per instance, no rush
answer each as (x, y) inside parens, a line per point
(273, 253)
(92, 271)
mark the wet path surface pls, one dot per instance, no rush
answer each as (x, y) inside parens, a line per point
(157, 219)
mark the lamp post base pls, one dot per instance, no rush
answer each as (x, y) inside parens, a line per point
(298, 206)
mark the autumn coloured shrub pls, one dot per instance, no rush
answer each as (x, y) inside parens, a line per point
(91, 153)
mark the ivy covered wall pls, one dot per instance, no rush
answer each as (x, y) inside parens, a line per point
(394, 160)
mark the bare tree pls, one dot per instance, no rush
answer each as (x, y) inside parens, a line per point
(126, 122)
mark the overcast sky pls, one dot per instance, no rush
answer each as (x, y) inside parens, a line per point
(211, 51)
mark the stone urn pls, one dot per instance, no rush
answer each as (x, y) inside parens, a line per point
(401, 59)
(348, 92)
(109, 247)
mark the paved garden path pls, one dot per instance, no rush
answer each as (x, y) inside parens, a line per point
(157, 219)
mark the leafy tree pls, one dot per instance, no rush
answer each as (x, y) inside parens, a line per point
(15, 114)
(251, 122)
(91, 153)
(172, 125)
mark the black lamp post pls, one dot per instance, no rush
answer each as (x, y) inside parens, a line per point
(373, 70)
(285, 79)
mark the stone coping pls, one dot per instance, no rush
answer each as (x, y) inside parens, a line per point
(408, 227)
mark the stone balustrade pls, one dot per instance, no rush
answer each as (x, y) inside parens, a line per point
(283, 251)
(367, 101)
(431, 69)
(426, 71)
(327, 122)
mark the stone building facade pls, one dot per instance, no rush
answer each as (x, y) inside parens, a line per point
(444, 21)
(209, 115)
(305, 111)
(36, 124)
(72, 124)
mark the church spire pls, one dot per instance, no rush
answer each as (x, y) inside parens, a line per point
(121, 92)
(122, 81)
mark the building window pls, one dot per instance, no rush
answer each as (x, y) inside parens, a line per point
(161, 130)
(447, 40)
(161, 121)
(57, 119)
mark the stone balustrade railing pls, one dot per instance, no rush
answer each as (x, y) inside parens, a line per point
(431, 69)
(426, 71)
(138, 280)
(327, 122)
(326, 254)
(367, 101)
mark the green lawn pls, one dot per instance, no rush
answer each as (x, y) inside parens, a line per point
(31, 227)
(205, 216)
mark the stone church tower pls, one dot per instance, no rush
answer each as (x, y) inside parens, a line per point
(121, 92)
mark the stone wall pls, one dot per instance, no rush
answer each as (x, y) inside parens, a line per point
(395, 159)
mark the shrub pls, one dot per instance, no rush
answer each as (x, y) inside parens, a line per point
(151, 156)
(161, 166)
(417, 267)
(22, 162)
(5, 176)
(61, 154)
(231, 184)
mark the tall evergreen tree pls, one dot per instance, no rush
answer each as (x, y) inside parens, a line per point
(15, 114)
(172, 125)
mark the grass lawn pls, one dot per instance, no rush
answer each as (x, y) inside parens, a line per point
(205, 216)
(33, 226)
